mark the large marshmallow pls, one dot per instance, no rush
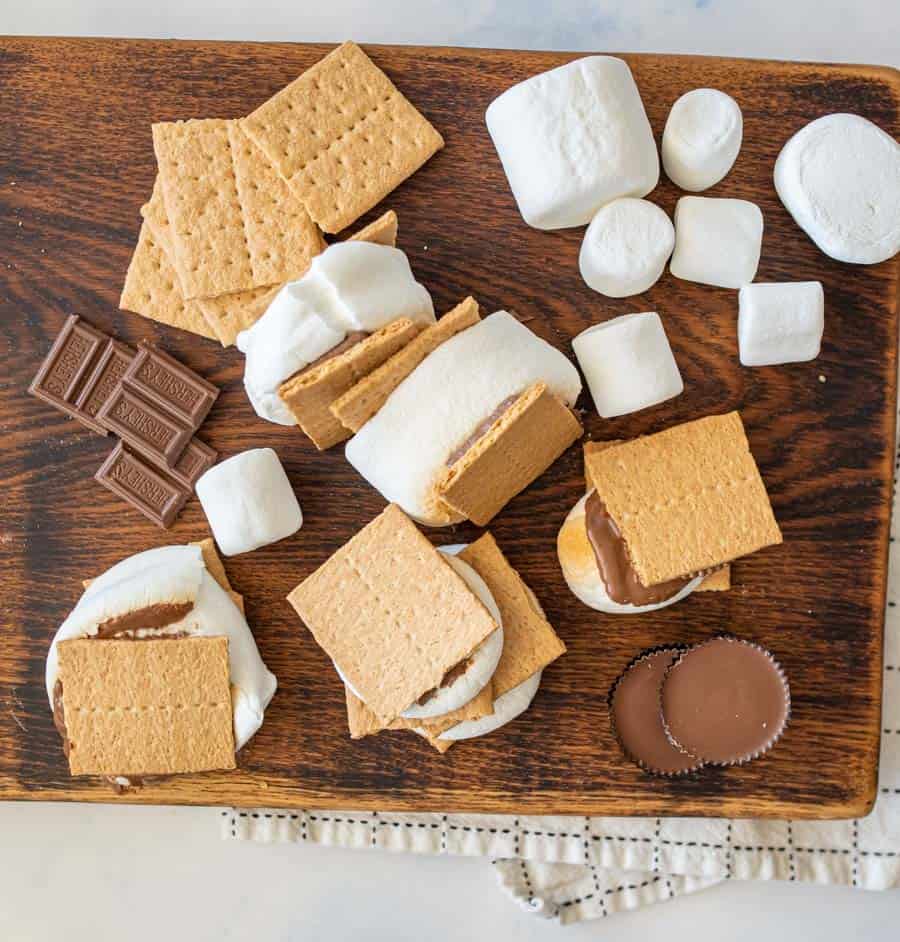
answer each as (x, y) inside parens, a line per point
(717, 241)
(572, 139)
(626, 247)
(403, 448)
(780, 323)
(159, 576)
(839, 177)
(249, 502)
(701, 139)
(351, 286)
(628, 364)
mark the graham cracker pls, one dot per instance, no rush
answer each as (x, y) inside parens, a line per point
(718, 581)
(363, 722)
(529, 641)
(594, 448)
(154, 707)
(151, 289)
(234, 224)
(359, 403)
(520, 445)
(213, 561)
(686, 499)
(381, 231)
(309, 394)
(227, 315)
(342, 136)
(392, 613)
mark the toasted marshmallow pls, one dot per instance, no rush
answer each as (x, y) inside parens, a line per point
(839, 177)
(248, 501)
(582, 575)
(404, 447)
(702, 138)
(572, 139)
(351, 286)
(507, 707)
(168, 575)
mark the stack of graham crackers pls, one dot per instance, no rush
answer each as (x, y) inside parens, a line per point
(239, 205)
(397, 621)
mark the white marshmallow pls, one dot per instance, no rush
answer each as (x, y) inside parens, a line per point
(701, 139)
(160, 576)
(582, 575)
(352, 285)
(717, 241)
(572, 139)
(626, 247)
(507, 707)
(780, 323)
(839, 177)
(628, 364)
(403, 448)
(248, 501)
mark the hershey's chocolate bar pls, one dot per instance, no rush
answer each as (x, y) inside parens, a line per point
(195, 459)
(105, 377)
(170, 385)
(153, 433)
(157, 497)
(66, 368)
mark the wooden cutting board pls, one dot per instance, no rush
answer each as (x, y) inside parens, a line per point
(76, 163)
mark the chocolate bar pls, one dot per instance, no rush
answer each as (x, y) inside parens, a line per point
(170, 385)
(195, 459)
(146, 489)
(155, 434)
(105, 377)
(70, 362)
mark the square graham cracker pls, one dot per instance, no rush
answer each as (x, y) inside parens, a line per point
(518, 447)
(391, 612)
(342, 136)
(310, 393)
(226, 315)
(151, 289)
(234, 224)
(529, 641)
(686, 499)
(154, 707)
(359, 403)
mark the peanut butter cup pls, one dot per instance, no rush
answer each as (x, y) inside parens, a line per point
(636, 719)
(726, 701)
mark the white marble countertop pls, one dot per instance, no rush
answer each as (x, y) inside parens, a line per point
(93, 873)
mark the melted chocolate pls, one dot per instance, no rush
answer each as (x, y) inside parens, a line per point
(453, 674)
(152, 616)
(480, 430)
(621, 581)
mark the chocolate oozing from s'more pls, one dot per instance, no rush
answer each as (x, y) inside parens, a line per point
(481, 429)
(726, 701)
(619, 577)
(636, 719)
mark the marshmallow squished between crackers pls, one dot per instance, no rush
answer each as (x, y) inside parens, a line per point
(175, 578)
(717, 241)
(392, 614)
(572, 139)
(628, 364)
(839, 177)
(701, 139)
(405, 448)
(626, 247)
(249, 502)
(780, 322)
(351, 286)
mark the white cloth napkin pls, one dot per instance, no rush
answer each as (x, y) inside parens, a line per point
(574, 868)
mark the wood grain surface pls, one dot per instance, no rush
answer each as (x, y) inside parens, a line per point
(76, 163)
